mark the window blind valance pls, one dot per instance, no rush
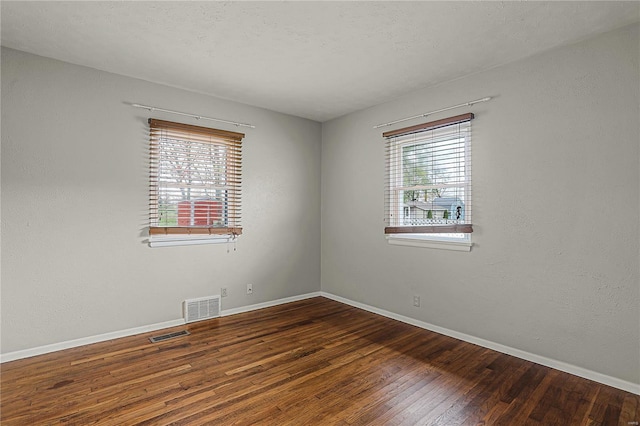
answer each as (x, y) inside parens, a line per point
(191, 131)
(432, 125)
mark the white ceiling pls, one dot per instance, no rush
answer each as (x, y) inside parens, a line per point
(318, 60)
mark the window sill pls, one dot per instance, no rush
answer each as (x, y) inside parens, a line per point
(187, 240)
(434, 244)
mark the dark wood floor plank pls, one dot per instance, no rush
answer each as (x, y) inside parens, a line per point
(312, 362)
(629, 411)
(482, 398)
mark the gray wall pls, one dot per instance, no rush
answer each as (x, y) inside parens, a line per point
(555, 266)
(557, 273)
(74, 206)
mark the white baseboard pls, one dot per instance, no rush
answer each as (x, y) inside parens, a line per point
(538, 359)
(40, 350)
(241, 309)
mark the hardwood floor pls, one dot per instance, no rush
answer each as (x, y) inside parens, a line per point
(313, 362)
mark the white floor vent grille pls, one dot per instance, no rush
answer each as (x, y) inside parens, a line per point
(202, 308)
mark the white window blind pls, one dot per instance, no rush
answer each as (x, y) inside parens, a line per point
(195, 180)
(428, 178)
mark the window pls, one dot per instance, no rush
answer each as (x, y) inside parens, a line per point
(428, 181)
(195, 182)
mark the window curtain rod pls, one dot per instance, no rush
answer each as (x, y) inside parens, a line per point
(477, 101)
(197, 117)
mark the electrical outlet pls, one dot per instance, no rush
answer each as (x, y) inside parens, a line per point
(223, 292)
(416, 301)
(249, 288)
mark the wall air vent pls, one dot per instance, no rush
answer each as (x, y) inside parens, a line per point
(202, 308)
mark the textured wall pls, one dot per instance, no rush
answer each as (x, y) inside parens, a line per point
(555, 269)
(74, 205)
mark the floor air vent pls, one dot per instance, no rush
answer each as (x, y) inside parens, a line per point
(201, 309)
(167, 336)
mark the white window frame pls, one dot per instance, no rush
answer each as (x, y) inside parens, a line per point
(463, 242)
(192, 233)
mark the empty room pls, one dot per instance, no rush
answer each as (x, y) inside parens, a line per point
(320, 213)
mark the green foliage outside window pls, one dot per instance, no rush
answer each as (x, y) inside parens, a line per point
(168, 214)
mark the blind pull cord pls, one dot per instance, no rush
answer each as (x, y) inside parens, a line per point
(234, 238)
